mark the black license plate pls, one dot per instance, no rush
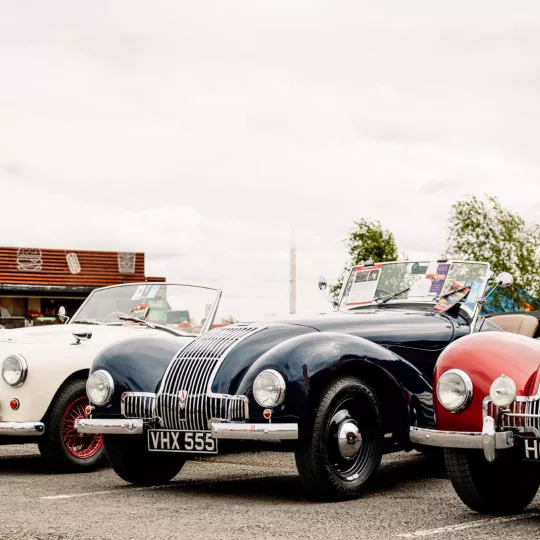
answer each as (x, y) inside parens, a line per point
(173, 440)
(532, 448)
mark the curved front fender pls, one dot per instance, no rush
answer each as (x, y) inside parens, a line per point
(484, 357)
(309, 362)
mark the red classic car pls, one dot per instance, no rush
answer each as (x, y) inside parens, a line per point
(487, 411)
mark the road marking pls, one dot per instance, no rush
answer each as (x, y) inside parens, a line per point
(464, 526)
(108, 492)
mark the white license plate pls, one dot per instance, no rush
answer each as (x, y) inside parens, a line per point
(532, 449)
(174, 440)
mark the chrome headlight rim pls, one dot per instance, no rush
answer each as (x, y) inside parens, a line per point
(469, 390)
(24, 370)
(281, 388)
(110, 387)
(513, 394)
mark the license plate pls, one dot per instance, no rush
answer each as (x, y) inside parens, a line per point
(532, 448)
(191, 442)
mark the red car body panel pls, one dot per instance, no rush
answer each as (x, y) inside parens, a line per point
(484, 357)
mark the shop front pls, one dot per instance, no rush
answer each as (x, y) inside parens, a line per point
(35, 283)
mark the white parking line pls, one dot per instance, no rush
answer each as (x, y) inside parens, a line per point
(108, 492)
(464, 526)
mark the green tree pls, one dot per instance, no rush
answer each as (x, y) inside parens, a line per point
(367, 241)
(483, 230)
(229, 319)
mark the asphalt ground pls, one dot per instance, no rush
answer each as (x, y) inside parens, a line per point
(255, 496)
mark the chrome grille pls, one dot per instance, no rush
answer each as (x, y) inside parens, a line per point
(524, 415)
(190, 375)
(138, 405)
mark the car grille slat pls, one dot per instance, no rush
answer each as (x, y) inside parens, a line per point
(138, 405)
(192, 371)
(524, 415)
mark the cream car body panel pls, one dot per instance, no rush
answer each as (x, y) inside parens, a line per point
(52, 358)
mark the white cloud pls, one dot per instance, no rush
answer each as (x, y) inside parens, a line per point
(203, 133)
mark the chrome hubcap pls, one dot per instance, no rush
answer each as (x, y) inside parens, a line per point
(349, 439)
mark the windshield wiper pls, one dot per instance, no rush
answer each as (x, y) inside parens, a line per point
(86, 321)
(137, 320)
(384, 300)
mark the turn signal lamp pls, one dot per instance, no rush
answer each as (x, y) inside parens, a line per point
(14, 404)
(267, 413)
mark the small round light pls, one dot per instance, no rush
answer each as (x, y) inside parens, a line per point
(269, 388)
(267, 413)
(14, 404)
(100, 387)
(454, 390)
(14, 370)
(503, 391)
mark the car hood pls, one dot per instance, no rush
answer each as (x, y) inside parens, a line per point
(389, 328)
(374, 323)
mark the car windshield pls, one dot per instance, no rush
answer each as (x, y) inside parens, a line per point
(180, 307)
(415, 282)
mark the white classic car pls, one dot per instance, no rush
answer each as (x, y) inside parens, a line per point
(44, 370)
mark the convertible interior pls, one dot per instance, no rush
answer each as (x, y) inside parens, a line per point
(523, 325)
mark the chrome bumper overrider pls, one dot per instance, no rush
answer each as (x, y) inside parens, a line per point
(255, 432)
(488, 440)
(21, 429)
(109, 426)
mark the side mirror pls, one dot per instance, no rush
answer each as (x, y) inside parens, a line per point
(504, 280)
(62, 314)
(323, 284)
(83, 335)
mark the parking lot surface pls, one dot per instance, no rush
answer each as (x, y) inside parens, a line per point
(240, 496)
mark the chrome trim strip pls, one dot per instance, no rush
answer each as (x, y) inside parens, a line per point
(255, 432)
(21, 429)
(115, 426)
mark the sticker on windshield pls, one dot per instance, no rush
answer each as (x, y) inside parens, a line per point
(438, 278)
(137, 295)
(364, 285)
(456, 293)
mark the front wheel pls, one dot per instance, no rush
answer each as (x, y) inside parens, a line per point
(133, 462)
(63, 449)
(342, 456)
(503, 487)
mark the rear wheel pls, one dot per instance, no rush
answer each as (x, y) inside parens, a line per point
(133, 462)
(503, 487)
(64, 449)
(344, 452)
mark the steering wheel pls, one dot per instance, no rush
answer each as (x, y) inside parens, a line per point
(114, 314)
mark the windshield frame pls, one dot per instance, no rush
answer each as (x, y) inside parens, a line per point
(488, 276)
(207, 324)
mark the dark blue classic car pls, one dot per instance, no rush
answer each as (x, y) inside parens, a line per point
(339, 390)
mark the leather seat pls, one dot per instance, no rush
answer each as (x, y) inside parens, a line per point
(523, 325)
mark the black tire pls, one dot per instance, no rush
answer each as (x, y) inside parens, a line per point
(504, 487)
(58, 445)
(324, 470)
(133, 462)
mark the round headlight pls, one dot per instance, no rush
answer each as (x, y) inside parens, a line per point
(14, 370)
(269, 388)
(454, 390)
(100, 387)
(503, 391)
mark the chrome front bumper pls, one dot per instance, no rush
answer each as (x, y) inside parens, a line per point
(21, 429)
(109, 426)
(488, 440)
(255, 432)
(222, 430)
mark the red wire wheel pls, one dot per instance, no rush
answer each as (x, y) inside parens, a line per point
(78, 445)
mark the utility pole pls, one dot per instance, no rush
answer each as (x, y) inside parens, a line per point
(292, 282)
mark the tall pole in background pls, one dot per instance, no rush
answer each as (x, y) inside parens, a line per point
(292, 281)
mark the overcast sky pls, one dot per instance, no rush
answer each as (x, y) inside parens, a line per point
(204, 132)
